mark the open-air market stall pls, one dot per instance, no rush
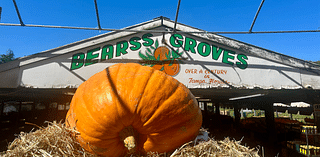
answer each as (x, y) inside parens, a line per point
(215, 68)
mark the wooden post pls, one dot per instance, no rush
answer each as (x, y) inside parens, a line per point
(1, 108)
(206, 107)
(19, 110)
(217, 106)
(236, 114)
(269, 113)
(316, 115)
(17, 119)
(206, 118)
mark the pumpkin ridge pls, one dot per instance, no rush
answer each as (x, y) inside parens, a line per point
(84, 104)
(87, 108)
(182, 125)
(154, 74)
(83, 132)
(113, 85)
(123, 134)
(153, 113)
(122, 102)
(135, 113)
(142, 93)
(113, 82)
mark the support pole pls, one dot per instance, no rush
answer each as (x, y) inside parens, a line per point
(17, 122)
(255, 17)
(236, 114)
(18, 13)
(205, 107)
(217, 106)
(0, 12)
(269, 113)
(176, 20)
(206, 118)
(316, 116)
(97, 14)
(1, 108)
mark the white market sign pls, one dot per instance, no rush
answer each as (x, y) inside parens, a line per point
(134, 44)
(171, 57)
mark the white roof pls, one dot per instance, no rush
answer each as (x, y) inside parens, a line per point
(207, 60)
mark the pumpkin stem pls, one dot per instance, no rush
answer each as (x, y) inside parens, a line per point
(129, 137)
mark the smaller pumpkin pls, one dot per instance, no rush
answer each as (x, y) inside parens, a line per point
(130, 100)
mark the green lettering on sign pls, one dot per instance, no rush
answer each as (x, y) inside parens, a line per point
(136, 45)
(226, 56)
(148, 41)
(175, 42)
(215, 52)
(243, 63)
(91, 57)
(190, 45)
(122, 47)
(107, 51)
(204, 49)
(77, 61)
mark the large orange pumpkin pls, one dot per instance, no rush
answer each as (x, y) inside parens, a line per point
(130, 99)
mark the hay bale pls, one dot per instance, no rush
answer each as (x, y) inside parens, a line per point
(53, 140)
(226, 148)
(57, 140)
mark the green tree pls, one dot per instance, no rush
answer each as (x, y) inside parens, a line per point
(4, 58)
(318, 62)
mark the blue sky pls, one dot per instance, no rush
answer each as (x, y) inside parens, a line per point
(209, 15)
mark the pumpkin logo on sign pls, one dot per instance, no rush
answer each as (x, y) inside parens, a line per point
(162, 58)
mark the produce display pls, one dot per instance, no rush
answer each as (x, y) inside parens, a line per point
(130, 100)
